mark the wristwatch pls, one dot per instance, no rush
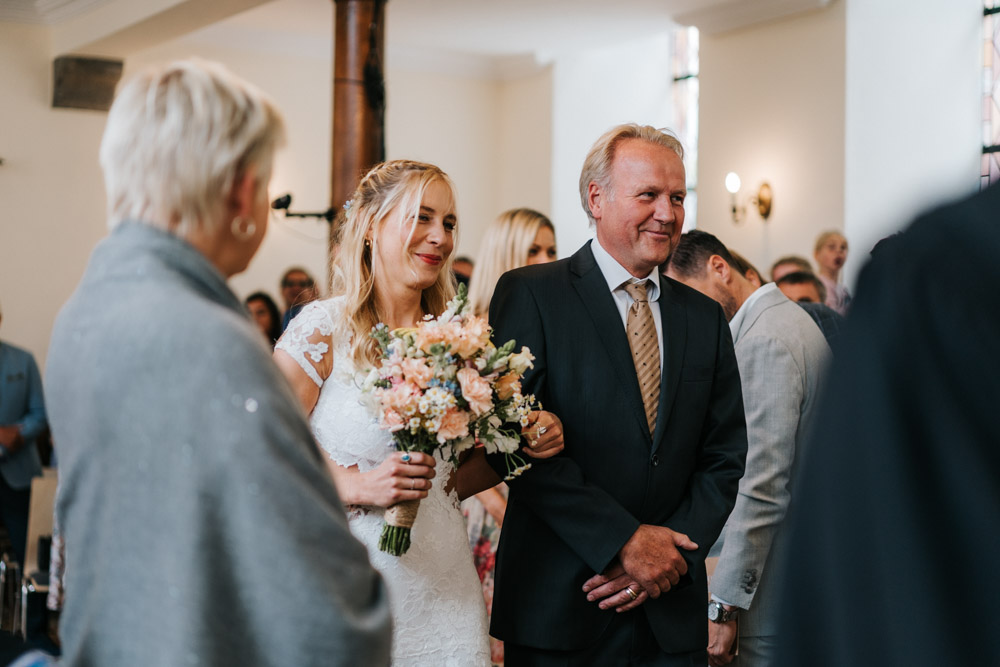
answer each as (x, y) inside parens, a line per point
(718, 614)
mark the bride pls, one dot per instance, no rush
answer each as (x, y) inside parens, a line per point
(393, 266)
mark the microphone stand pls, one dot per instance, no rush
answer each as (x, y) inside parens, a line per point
(283, 202)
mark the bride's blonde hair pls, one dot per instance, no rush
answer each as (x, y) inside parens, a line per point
(397, 184)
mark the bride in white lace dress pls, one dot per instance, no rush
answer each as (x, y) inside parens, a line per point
(393, 266)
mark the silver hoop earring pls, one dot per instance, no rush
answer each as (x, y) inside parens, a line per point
(243, 228)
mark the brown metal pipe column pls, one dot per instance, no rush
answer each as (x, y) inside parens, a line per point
(358, 94)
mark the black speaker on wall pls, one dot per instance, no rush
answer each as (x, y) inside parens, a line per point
(84, 83)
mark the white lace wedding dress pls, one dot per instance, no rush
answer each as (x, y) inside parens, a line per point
(438, 613)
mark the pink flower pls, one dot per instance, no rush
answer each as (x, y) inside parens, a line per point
(454, 424)
(446, 334)
(391, 421)
(400, 396)
(475, 390)
(417, 371)
(507, 386)
(474, 336)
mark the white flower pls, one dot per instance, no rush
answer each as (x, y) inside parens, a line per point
(503, 443)
(521, 362)
(468, 442)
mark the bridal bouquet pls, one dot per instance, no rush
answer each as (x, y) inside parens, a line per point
(443, 387)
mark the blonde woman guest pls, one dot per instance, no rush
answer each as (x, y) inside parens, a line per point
(830, 254)
(186, 468)
(518, 237)
(393, 266)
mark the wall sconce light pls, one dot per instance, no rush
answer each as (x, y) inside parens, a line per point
(762, 200)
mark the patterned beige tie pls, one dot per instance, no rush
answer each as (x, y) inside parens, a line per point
(645, 349)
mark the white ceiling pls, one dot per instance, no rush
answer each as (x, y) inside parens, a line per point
(49, 12)
(492, 30)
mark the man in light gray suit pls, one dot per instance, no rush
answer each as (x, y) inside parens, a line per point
(781, 355)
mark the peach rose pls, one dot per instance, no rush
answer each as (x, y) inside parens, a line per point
(454, 424)
(391, 421)
(507, 386)
(475, 335)
(475, 390)
(401, 396)
(417, 371)
(446, 334)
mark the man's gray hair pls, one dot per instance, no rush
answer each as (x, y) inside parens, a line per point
(178, 138)
(597, 165)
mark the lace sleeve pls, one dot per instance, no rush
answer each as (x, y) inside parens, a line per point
(309, 341)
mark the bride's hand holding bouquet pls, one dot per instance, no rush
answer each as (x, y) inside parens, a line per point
(443, 387)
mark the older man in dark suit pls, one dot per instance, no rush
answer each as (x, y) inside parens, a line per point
(601, 561)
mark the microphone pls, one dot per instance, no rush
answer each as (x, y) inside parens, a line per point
(282, 202)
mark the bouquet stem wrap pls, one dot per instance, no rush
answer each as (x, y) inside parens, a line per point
(442, 388)
(399, 518)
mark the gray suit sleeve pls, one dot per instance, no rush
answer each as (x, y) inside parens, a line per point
(773, 390)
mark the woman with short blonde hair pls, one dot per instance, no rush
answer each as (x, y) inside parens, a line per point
(186, 467)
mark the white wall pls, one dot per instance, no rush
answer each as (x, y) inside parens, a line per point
(525, 155)
(860, 115)
(772, 108)
(492, 136)
(914, 76)
(450, 121)
(51, 190)
(591, 92)
(301, 88)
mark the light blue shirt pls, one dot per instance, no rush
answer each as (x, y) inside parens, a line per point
(616, 275)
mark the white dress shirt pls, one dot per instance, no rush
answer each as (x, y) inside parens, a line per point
(615, 274)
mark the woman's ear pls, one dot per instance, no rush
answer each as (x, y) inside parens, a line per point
(244, 193)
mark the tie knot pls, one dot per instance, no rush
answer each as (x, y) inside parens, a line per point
(637, 290)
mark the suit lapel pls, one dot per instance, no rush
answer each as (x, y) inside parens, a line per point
(592, 288)
(673, 319)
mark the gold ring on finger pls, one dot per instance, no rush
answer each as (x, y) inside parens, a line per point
(632, 594)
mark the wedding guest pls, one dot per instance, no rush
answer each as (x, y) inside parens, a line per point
(830, 254)
(200, 525)
(746, 269)
(802, 286)
(462, 268)
(642, 371)
(782, 357)
(899, 489)
(22, 422)
(297, 289)
(396, 240)
(518, 237)
(265, 315)
(789, 264)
